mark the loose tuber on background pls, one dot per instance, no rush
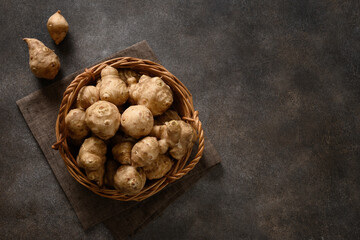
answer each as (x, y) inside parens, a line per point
(44, 63)
(159, 168)
(144, 152)
(92, 157)
(112, 88)
(75, 124)
(87, 96)
(176, 135)
(57, 27)
(103, 119)
(129, 180)
(137, 121)
(152, 93)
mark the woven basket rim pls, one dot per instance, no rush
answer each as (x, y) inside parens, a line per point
(185, 108)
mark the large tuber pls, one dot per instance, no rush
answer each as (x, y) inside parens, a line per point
(129, 180)
(103, 119)
(137, 121)
(150, 92)
(44, 63)
(145, 152)
(176, 135)
(112, 88)
(159, 168)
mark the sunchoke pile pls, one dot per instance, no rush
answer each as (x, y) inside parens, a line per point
(135, 134)
(44, 63)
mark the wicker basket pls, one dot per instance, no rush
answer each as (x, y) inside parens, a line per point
(182, 103)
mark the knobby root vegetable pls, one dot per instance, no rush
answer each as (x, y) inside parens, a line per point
(92, 157)
(103, 119)
(137, 121)
(159, 168)
(166, 117)
(87, 96)
(129, 180)
(122, 152)
(75, 124)
(111, 166)
(176, 135)
(57, 27)
(144, 152)
(44, 63)
(112, 88)
(152, 93)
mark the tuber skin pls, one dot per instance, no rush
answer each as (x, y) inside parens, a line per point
(112, 88)
(128, 75)
(159, 168)
(75, 124)
(103, 119)
(111, 166)
(122, 152)
(129, 180)
(87, 96)
(176, 136)
(137, 121)
(166, 117)
(145, 152)
(57, 27)
(92, 157)
(152, 93)
(44, 63)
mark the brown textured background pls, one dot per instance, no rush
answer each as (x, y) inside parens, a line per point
(277, 86)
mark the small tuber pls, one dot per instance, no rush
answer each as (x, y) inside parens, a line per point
(159, 168)
(137, 121)
(110, 169)
(152, 93)
(44, 63)
(87, 96)
(112, 88)
(57, 27)
(103, 119)
(144, 152)
(176, 135)
(75, 124)
(122, 152)
(92, 157)
(129, 180)
(166, 117)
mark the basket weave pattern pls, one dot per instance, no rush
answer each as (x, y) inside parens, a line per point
(182, 101)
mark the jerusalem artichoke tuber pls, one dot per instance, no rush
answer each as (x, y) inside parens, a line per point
(112, 88)
(87, 96)
(57, 27)
(103, 119)
(75, 124)
(92, 157)
(129, 180)
(44, 63)
(144, 152)
(159, 168)
(137, 121)
(152, 93)
(176, 135)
